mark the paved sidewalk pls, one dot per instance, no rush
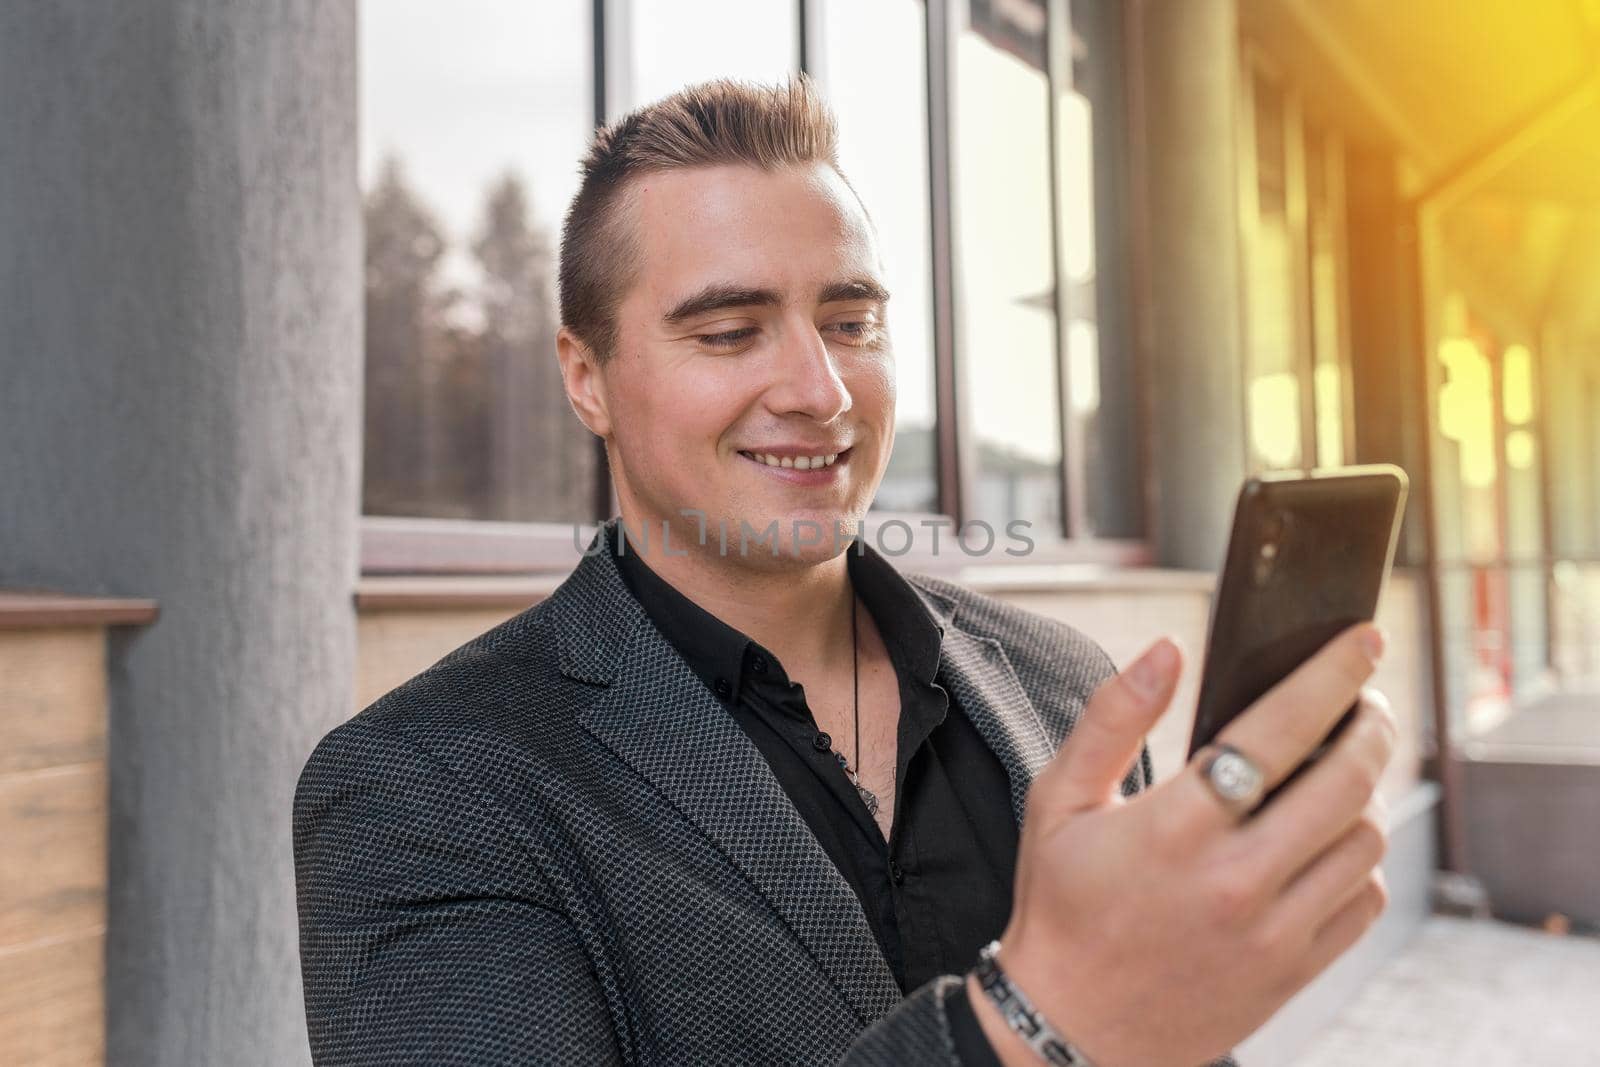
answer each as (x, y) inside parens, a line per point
(1477, 992)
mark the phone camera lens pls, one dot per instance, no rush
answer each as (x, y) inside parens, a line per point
(1271, 542)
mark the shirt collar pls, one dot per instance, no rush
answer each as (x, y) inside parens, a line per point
(726, 659)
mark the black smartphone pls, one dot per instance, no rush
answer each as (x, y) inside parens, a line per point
(1308, 557)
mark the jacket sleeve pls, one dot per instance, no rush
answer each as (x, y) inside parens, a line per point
(426, 939)
(917, 1031)
(423, 938)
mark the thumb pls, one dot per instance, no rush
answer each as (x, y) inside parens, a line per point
(1088, 770)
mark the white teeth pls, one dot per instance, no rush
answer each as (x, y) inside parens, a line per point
(802, 463)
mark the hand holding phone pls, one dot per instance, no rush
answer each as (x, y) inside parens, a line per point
(1307, 558)
(1141, 901)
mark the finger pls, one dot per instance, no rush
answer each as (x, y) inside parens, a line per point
(1290, 719)
(1279, 730)
(1325, 801)
(1088, 770)
(1347, 925)
(1335, 876)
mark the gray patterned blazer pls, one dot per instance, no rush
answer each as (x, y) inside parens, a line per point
(555, 846)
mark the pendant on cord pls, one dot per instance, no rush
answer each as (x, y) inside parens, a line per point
(868, 797)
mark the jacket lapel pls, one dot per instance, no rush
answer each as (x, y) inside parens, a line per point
(657, 717)
(978, 674)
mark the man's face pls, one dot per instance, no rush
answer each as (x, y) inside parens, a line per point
(755, 331)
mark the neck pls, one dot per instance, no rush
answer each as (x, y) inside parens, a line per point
(799, 610)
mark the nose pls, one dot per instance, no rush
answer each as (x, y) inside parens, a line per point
(806, 380)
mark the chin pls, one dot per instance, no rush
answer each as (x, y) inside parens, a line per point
(806, 536)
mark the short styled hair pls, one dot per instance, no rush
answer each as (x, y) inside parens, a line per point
(710, 124)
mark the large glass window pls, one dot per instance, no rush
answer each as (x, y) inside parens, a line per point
(472, 117)
(1568, 414)
(1105, 486)
(1292, 220)
(1005, 271)
(874, 64)
(1490, 505)
(1329, 300)
(1470, 534)
(1524, 520)
(1272, 348)
(670, 45)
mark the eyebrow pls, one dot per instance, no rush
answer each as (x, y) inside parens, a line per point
(716, 297)
(855, 289)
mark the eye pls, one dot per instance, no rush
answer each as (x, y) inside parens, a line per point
(727, 339)
(859, 332)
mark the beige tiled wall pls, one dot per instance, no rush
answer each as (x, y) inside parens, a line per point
(1128, 620)
(1123, 614)
(394, 645)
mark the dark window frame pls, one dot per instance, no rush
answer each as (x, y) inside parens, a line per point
(1299, 129)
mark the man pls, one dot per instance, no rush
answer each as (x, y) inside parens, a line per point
(725, 799)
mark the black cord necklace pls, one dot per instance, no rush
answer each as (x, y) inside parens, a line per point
(868, 797)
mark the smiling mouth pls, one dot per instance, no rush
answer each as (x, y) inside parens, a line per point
(800, 463)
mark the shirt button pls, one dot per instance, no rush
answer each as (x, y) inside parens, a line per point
(822, 742)
(723, 688)
(759, 664)
(896, 875)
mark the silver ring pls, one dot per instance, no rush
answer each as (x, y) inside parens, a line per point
(1234, 777)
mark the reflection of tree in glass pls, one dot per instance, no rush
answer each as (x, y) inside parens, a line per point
(466, 416)
(403, 248)
(537, 449)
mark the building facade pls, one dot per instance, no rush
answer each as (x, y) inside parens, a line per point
(282, 421)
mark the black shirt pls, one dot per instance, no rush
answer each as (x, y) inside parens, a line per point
(940, 887)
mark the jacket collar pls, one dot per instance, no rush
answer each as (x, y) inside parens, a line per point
(592, 613)
(658, 717)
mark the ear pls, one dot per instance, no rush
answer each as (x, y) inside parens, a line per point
(584, 381)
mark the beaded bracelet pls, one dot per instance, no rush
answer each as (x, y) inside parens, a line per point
(1020, 1014)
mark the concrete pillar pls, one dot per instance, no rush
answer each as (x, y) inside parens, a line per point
(180, 301)
(1186, 61)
